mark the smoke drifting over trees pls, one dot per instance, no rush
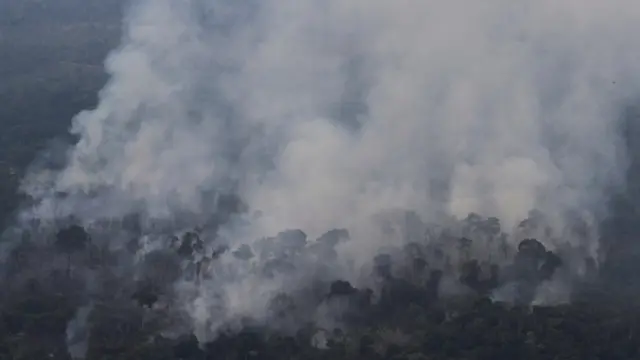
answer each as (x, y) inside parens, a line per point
(346, 109)
(286, 162)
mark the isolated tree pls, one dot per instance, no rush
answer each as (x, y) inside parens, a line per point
(71, 240)
(334, 237)
(146, 294)
(382, 266)
(464, 246)
(244, 252)
(291, 242)
(190, 244)
(341, 287)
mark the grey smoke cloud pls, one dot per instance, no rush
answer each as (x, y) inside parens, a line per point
(322, 114)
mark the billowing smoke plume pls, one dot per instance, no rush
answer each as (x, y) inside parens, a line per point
(330, 114)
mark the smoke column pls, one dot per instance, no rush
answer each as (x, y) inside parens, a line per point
(322, 114)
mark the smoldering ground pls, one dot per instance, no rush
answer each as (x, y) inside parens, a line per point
(335, 114)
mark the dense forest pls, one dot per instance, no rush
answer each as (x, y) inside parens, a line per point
(51, 55)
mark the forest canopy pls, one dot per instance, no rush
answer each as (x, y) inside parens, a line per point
(138, 287)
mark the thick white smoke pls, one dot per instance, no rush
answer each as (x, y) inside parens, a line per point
(321, 114)
(495, 107)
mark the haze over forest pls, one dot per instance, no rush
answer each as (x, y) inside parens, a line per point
(336, 179)
(51, 68)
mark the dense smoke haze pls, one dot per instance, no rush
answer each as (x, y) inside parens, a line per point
(337, 114)
(322, 114)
